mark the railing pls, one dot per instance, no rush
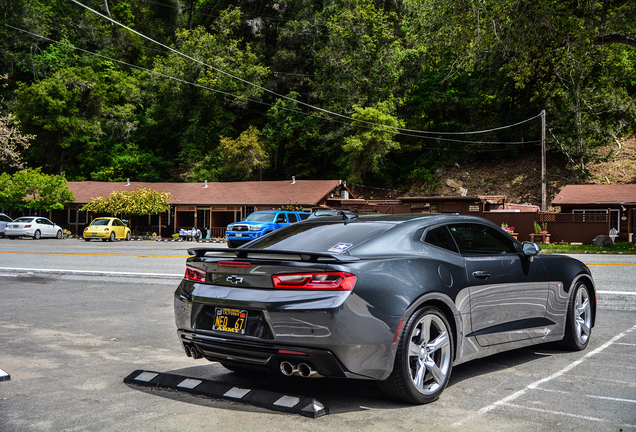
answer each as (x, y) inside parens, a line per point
(573, 217)
(216, 232)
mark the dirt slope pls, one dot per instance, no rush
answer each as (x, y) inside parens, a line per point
(520, 180)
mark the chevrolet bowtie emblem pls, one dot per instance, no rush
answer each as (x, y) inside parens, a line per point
(234, 279)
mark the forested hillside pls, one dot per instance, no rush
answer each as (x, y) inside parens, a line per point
(381, 93)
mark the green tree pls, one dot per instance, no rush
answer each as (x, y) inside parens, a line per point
(134, 202)
(31, 189)
(73, 112)
(244, 154)
(365, 150)
(187, 121)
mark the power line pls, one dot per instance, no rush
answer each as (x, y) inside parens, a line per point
(294, 100)
(269, 104)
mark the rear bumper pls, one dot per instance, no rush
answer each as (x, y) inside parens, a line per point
(12, 232)
(265, 356)
(97, 234)
(339, 334)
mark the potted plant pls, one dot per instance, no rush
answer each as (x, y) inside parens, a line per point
(541, 234)
(510, 230)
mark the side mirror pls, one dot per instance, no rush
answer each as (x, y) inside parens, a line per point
(530, 250)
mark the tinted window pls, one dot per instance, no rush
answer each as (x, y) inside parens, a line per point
(292, 218)
(440, 237)
(100, 222)
(304, 216)
(320, 237)
(281, 218)
(5, 218)
(475, 239)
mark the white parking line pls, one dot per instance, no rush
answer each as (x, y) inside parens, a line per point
(589, 396)
(536, 384)
(617, 292)
(578, 416)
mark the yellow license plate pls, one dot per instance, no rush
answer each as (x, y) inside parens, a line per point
(230, 320)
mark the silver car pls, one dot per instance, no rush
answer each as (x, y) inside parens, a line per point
(4, 220)
(33, 226)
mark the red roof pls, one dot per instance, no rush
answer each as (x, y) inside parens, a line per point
(596, 194)
(301, 192)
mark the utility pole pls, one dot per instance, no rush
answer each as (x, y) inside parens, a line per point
(543, 187)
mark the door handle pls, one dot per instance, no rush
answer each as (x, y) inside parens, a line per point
(481, 274)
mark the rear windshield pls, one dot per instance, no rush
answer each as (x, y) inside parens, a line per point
(260, 217)
(24, 219)
(100, 222)
(330, 237)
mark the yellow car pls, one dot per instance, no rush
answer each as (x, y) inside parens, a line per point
(107, 228)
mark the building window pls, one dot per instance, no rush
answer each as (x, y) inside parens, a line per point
(247, 210)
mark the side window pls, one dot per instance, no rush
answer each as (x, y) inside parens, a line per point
(476, 240)
(117, 223)
(293, 217)
(304, 216)
(281, 218)
(440, 237)
(4, 218)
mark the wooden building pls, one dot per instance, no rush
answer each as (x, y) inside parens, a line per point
(611, 207)
(208, 205)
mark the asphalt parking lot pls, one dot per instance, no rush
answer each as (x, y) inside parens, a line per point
(69, 338)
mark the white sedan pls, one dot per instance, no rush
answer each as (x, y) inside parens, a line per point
(33, 226)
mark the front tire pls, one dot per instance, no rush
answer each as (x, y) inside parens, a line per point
(59, 235)
(578, 326)
(37, 235)
(128, 236)
(424, 359)
(112, 237)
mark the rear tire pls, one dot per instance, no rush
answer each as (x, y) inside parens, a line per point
(112, 237)
(578, 325)
(87, 239)
(424, 358)
(37, 235)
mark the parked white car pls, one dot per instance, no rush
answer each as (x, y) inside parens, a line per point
(4, 220)
(33, 226)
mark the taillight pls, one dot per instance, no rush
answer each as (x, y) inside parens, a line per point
(334, 281)
(106, 229)
(28, 226)
(195, 274)
(234, 264)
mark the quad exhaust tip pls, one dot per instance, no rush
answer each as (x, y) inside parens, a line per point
(193, 351)
(302, 369)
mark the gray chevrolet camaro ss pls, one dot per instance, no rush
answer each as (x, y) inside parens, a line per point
(394, 298)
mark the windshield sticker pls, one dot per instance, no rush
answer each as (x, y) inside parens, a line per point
(340, 247)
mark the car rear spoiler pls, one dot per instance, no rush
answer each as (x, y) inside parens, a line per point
(271, 254)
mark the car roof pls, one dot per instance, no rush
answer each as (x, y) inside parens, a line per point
(423, 219)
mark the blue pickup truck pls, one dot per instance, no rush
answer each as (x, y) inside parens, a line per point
(258, 224)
